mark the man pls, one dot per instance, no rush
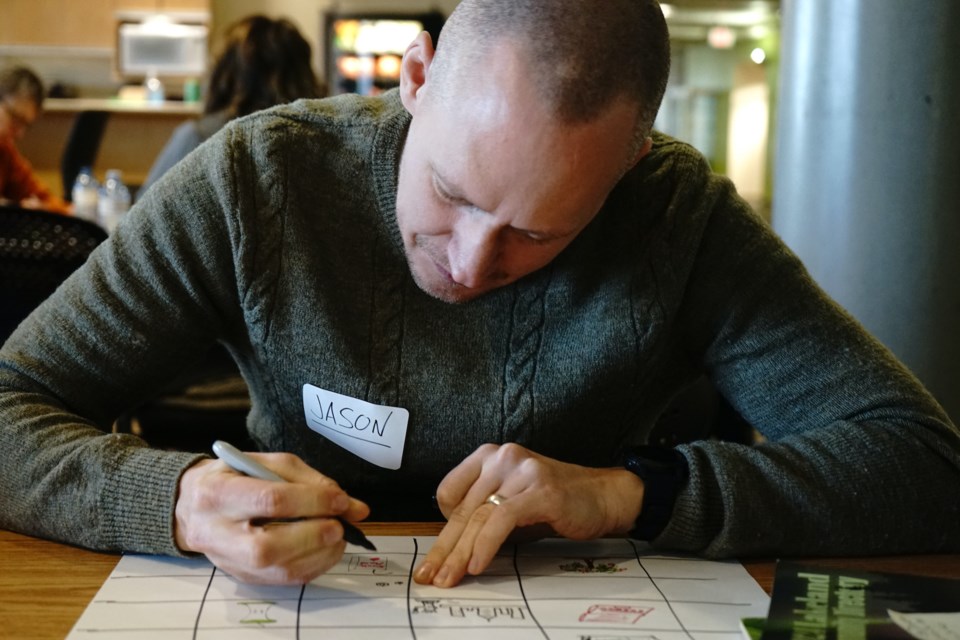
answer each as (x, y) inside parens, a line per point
(21, 97)
(502, 269)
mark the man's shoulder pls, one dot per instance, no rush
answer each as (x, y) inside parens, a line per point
(671, 167)
(667, 148)
(336, 112)
(345, 124)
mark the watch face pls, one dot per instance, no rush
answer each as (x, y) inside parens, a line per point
(649, 460)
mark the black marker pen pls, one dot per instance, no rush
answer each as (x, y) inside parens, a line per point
(242, 463)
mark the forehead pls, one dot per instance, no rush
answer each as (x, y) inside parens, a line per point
(497, 141)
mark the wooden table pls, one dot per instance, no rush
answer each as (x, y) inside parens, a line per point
(45, 586)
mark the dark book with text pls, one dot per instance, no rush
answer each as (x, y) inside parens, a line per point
(810, 602)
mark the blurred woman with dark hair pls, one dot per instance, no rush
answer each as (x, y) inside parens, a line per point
(263, 63)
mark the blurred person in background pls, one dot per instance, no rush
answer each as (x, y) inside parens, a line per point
(21, 99)
(263, 62)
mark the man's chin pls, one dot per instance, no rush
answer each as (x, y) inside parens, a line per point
(444, 290)
(452, 294)
(432, 281)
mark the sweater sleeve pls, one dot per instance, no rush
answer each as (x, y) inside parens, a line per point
(858, 458)
(160, 290)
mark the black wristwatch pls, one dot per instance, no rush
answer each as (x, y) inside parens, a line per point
(664, 472)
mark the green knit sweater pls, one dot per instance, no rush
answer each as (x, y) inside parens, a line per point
(279, 238)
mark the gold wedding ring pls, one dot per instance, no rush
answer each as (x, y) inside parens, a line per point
(495, 499)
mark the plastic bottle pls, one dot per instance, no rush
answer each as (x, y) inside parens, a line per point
(191, 90)
(154, 88)
(114, 200)
(85, 195)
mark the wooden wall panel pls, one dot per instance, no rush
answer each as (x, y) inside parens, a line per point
(75, 23)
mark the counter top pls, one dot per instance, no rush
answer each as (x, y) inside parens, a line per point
(115, 105)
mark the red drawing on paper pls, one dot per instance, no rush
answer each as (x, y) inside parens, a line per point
(368, 564)
(616, 613)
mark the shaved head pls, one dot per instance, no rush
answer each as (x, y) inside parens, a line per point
(583, 55)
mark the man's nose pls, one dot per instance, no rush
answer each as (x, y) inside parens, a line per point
(473, 251)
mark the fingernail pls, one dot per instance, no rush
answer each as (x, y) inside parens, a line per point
(474, 567)
(340, 503)
(332, 536)
(440, 579)
(424, 573)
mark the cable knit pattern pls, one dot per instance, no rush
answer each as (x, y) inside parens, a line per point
(526, 332)
(278, 237)
(386, 333)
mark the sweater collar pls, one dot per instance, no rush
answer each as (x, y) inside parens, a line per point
(394, 122)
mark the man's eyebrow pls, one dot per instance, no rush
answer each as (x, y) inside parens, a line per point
(451, 190)
(454, 193)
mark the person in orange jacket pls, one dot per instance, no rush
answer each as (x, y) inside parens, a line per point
(21, 98)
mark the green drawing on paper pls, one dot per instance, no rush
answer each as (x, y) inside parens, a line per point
(258, 612)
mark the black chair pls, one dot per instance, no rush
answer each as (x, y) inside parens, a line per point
(83, 144)
(38, 250)
(210, 401)
(206, 402)
(699, 412)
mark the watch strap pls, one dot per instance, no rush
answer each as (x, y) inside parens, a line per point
(664, 472)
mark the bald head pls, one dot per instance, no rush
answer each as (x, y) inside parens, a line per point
(583, 55)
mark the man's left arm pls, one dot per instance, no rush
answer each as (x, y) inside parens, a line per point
(858, 457)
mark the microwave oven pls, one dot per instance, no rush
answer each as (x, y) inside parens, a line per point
(161, 47)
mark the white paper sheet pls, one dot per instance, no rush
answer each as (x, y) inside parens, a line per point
(929, 626)
(553, 589)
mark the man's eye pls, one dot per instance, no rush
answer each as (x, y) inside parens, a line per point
(442, 193)
(535, 238)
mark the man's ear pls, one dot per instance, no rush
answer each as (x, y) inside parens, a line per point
(414, 70)
(642, 151)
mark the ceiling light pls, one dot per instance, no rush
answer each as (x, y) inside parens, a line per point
(721, 37)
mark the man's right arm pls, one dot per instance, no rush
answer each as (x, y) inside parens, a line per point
(156, 293)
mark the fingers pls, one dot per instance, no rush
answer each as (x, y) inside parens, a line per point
(307, 493)
(241, 498)
(463, 480)
(571, 500)
(463, 548)
(475, 529)
(279, 553)
(356, 511)
(262, 531)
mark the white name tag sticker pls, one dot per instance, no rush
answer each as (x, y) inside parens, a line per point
(374, 432)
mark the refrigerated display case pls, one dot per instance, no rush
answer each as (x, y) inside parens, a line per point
(363, 51)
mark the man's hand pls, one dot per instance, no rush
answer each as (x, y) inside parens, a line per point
(576, 502)
(261, 531)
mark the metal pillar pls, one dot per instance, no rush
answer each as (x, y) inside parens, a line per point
(867, 170)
